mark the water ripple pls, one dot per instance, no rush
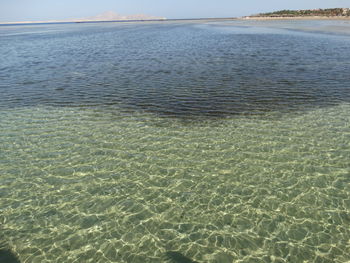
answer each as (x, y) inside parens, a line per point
(176, 70)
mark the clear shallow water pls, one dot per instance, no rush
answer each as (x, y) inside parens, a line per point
(124, 142)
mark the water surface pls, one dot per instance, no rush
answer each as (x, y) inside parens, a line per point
(156, 142)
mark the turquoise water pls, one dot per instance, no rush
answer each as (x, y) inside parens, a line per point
(243, 156)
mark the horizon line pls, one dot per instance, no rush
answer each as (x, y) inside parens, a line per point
(111, 21)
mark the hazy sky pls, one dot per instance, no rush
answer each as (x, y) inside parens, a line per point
(22, 10)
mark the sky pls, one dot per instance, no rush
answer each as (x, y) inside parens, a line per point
(39, 10)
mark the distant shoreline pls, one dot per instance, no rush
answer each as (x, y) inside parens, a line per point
(261, 18)
(73, 22)
(116, 21)
(295, 18)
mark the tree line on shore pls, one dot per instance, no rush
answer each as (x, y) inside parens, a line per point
(310, 12)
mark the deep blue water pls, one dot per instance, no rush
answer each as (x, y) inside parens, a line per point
(177, 69)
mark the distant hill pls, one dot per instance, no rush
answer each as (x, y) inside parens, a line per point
(330, 12)
(112, 16)
(106, 16)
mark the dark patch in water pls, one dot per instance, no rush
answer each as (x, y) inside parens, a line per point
(7, 256)
(177, 71)
(59, 89)
(177, 257)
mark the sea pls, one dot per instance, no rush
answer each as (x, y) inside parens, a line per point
(175, 141)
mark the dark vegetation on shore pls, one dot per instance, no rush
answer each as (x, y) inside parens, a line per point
(330, 12)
